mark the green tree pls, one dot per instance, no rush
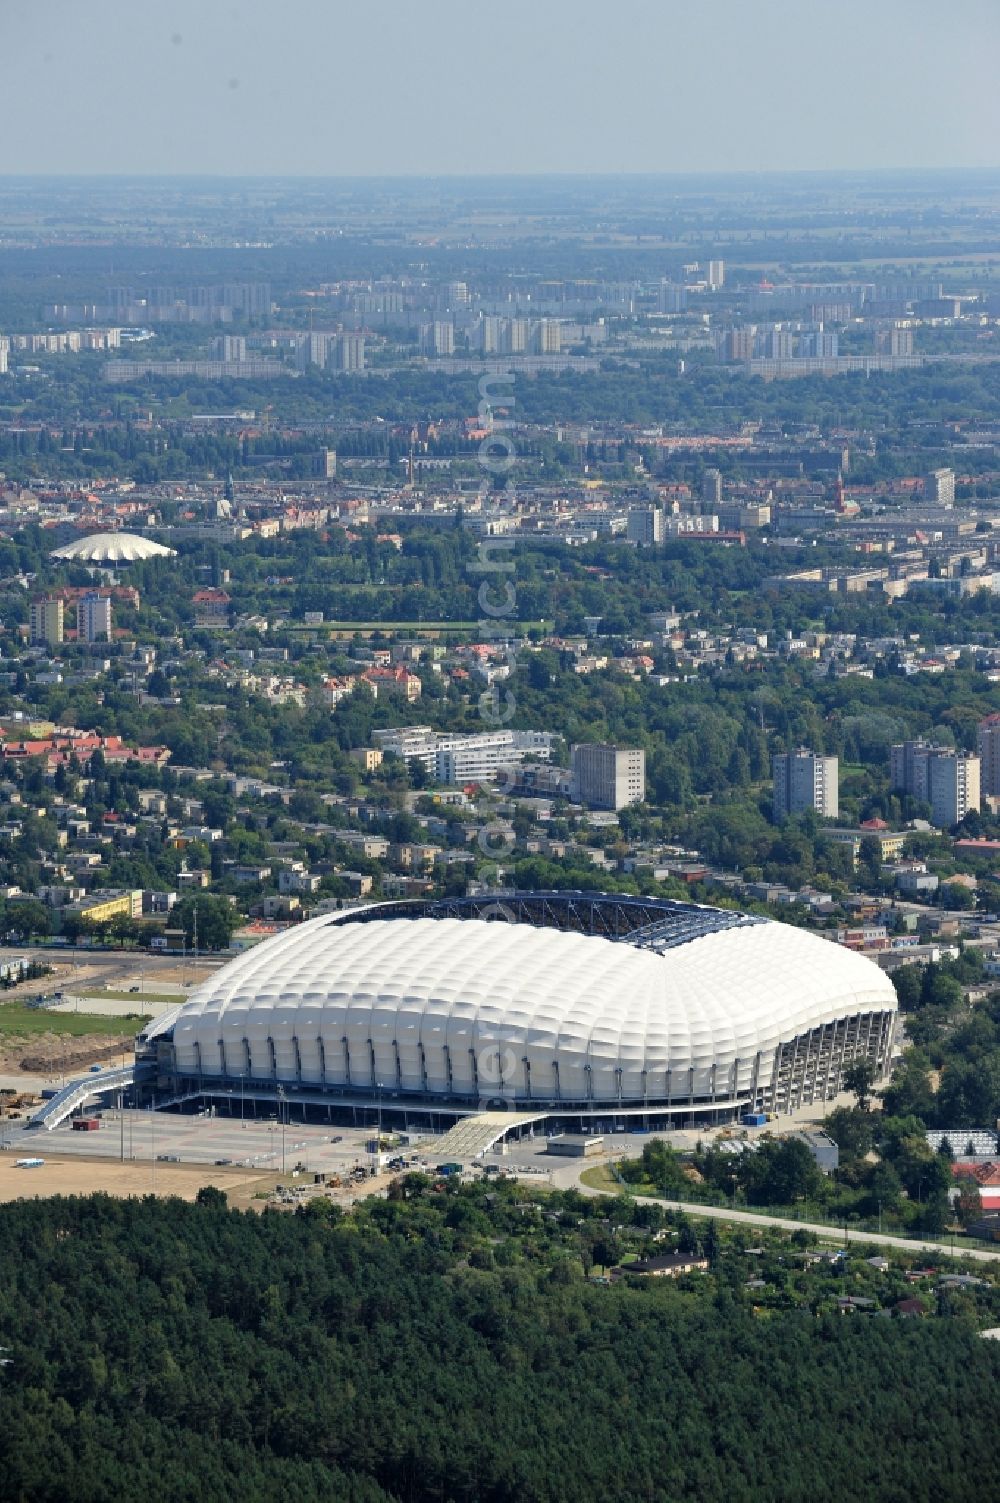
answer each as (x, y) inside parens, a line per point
(859, 1078)
(215, 923)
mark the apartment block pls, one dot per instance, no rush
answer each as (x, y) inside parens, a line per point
(949, 781)
(954, 787)
(803, 780)
(989, 755)
(46, 620)
(607, 776)
(93, 618)
(645, 526)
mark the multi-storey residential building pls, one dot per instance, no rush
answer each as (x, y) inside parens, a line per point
(438, 338)
(514, 340)
(349, 352)
(470, 759)
(93, 618)
(463, 759)
(989, 755)
(738, 344)
(548, 337)
(779, 344)
(314, 349)
(947, 780)
(671, 297)
(939, 487)
(490, 332)
(803, 780)
(908, 768)
(607, 776)
(954, 787)
(46, 621)
(414, 743)
(896, 340)
(818, 344)
(230, 347)
(711, 489)
(645, 526)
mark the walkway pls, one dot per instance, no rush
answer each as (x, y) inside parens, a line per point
(476, 1135)
(78, 1092)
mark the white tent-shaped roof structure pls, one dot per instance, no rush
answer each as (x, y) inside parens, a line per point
(111, 548)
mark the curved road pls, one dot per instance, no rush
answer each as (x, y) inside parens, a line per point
(754, 1218)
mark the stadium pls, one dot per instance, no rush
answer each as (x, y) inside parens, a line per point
(584, 1007)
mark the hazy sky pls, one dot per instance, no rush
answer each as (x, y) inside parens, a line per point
(439, 86)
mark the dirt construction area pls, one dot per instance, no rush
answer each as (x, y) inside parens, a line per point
(76, 1176)
(257, 1163)
(246, 1190)
(106, 997)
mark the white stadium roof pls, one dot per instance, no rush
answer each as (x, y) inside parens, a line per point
(112, 548)
(461, 1007)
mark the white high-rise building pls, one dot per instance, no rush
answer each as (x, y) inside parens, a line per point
(490, 331)
(803, 780)
(947, 780)
(548, 337)
(609, 777)
(438, 338)
(515, 337)
(93, 618)
(954, 787)
(716, 275)
(939, 487)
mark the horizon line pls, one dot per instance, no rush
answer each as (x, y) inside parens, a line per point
(577, 175)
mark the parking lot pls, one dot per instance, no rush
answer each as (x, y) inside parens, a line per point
(164, 1137)
(153, 1145)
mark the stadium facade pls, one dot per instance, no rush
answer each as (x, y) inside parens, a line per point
(585, 1006)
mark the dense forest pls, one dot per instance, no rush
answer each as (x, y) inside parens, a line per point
(447, 1346)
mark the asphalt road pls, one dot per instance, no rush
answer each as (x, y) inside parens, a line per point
(111, 965)
(754, 1218)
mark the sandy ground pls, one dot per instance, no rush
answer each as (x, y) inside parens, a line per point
(114, 1007)
(80, 1176)
(76, 1176)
